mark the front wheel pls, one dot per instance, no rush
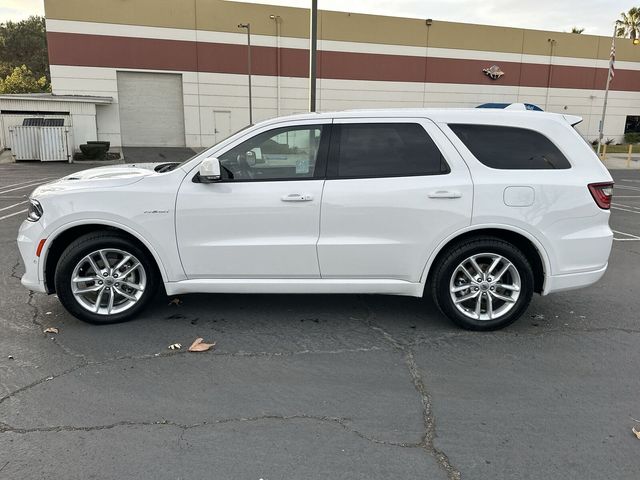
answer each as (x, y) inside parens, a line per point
(483, 284)
(104, 278)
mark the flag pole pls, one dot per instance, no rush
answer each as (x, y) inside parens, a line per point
(606, 92)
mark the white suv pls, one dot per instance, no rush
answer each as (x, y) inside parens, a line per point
(480, 208)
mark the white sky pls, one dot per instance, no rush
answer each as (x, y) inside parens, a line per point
(596, 16)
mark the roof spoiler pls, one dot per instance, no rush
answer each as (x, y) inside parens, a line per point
(573, 120)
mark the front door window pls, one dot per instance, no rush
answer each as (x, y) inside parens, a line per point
(288, 153)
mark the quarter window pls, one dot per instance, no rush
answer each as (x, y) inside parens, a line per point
(280, 154)
(510, 148)
(387, 150)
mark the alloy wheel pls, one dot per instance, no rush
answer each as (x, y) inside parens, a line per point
(108, 281)
(485, 286)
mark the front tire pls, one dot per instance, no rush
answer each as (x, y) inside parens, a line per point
(104, 277)
(483, 284)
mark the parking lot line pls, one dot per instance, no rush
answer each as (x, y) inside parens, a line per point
(625, 206)
(20, 188)
(27, 181)
(626, 210)
(13, 214)
(14, 205)
(634, 238)
(627, 187)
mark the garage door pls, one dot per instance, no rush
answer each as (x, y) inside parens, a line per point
(151, 110)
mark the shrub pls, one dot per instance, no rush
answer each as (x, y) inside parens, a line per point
(99, 142)
(632, 137)
(94, 151)
(608, 141)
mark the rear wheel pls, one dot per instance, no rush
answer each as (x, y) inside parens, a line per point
(105, 278)
(483, 284)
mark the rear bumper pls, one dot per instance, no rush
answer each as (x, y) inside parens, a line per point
(572, 281)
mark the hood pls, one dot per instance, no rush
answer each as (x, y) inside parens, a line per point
(132, 170)
(101, 177)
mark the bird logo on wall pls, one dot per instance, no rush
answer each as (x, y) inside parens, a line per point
(493, 72)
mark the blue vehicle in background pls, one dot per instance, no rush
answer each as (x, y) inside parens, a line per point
(513, 106)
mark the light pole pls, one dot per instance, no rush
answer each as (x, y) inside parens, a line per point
(247, 26)
(277, 19)
(313, 51)
(552, 44)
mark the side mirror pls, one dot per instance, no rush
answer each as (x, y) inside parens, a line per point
(209, 171)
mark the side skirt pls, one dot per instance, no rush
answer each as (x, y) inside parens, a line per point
(295, 285)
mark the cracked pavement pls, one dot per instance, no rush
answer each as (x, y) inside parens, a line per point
(360, 387)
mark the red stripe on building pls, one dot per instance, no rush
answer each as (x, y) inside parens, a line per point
(146, 53)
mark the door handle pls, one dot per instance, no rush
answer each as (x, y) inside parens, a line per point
(297, 197)
(445, 194)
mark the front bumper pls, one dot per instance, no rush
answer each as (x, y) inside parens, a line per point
(29, 235)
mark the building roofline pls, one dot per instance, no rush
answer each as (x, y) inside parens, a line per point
(50, 97)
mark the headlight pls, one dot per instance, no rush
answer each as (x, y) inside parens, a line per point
(35, 211)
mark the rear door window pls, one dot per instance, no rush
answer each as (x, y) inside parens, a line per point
(365, 150)
(510, 148)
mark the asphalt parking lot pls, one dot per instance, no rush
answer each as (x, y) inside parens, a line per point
(305, 387)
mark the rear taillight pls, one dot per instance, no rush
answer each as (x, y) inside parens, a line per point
(602, 193)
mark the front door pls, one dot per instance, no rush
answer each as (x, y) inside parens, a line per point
(395, 188)
(262, 219)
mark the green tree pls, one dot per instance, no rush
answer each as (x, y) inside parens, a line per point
(577, 30)
(24, 43)
(22, 80)
(629, 24)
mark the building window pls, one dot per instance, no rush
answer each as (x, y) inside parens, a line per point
(632, 125)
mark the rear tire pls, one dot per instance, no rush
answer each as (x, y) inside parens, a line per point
(104, 277)
(483, 284)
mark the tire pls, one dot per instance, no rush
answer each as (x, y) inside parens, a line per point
(502, 300)
(125, 291)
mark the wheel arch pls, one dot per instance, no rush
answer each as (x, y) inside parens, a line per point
(62, 237)
(529, 245)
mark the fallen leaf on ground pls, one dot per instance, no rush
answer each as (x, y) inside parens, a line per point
(175, 346)
(636, 432)
(198, 345)
(51, 330)
(175, 301)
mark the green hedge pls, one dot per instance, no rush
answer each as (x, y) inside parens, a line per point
(632, 137)
(94, 151)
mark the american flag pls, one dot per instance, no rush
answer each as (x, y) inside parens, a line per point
(612, 59)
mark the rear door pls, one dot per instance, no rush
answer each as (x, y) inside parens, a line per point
(395, 189)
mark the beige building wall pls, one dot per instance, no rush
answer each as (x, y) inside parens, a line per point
(204, 22)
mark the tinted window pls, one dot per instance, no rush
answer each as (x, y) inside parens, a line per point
(283, 153)
(387, 150)
(510, 148)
